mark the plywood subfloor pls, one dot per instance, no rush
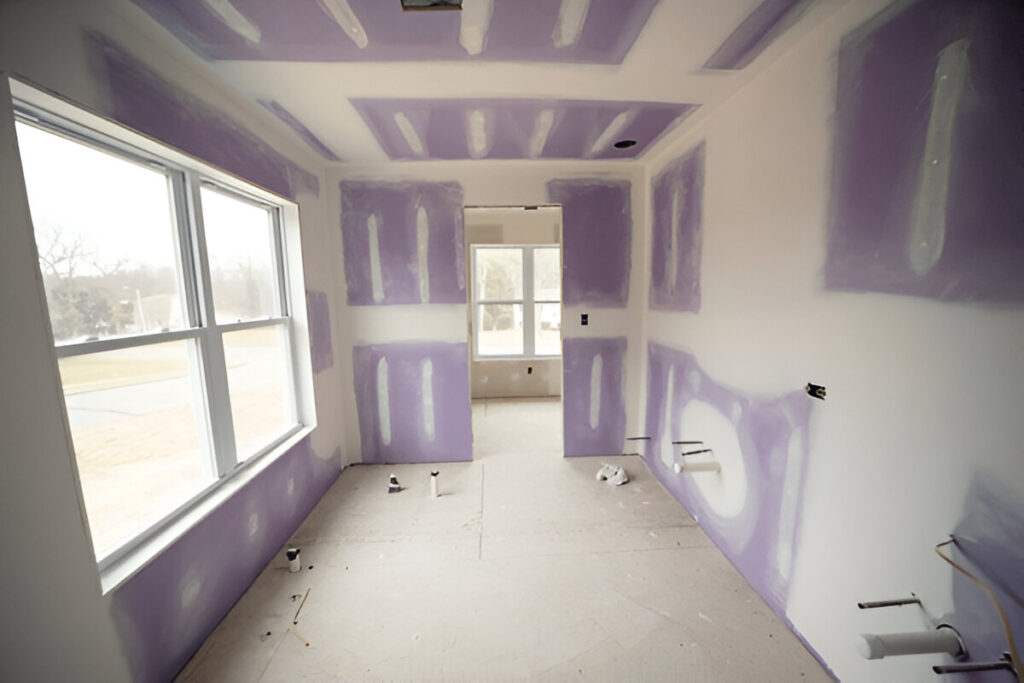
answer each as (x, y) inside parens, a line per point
(525, 568)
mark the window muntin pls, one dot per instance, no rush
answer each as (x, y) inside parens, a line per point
(168, 359)
(516, 301)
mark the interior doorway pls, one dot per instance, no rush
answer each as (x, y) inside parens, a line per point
(514, 319)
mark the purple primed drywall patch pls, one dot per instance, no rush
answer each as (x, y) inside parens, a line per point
(319, 311)
(758, 531)
(143, 100)
(413, 402)
(168, 609)
(755, 33)
(677, 233)
(518, 30)
(597, 237)
(300, 129)
(404, 242)
(517, 129)
(989, 545)
(593, 390)
(928, 185)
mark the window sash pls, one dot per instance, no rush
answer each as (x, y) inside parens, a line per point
(193, 273)
(528, 302)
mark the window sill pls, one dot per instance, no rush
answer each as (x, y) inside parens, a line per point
(125, 567)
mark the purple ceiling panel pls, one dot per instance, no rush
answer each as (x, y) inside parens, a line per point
(755, 33)
(300, 129)
(516, 128)
(143, 100)
(579, 125)
(379, 31)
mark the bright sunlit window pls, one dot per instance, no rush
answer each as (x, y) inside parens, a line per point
(517, 307)
(168, 300)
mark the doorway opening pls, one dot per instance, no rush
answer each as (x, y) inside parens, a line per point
(514, 316)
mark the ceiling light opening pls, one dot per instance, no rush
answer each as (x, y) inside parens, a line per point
(625, 144)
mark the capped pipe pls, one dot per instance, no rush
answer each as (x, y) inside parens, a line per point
(943, 640)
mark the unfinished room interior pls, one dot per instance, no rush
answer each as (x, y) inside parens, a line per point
(601, 340)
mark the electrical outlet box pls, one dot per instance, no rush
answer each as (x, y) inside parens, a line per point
(584, 318)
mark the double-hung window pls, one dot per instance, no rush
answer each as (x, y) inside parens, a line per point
(168, 294)
(517, 309)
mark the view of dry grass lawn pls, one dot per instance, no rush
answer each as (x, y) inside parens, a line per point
(136, 428)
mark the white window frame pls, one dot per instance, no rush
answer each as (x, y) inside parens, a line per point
(207, 359)
(528, 302)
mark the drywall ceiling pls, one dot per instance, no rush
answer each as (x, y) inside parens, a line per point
(361, 81)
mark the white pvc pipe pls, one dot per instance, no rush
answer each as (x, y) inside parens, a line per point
(433, 484)
(943, 640)
(698, 466)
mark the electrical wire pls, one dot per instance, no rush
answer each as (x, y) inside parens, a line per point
(1015, 660)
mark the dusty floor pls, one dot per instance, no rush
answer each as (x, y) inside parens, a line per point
(525, 568)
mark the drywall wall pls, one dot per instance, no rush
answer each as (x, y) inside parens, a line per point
(593, 243)
(821, 259)
(125, 68)
(511, 225)
(57, 592)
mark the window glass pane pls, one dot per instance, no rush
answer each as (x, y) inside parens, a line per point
(547, 337)
(106, 235)
(240, 246)
(499, 274)
(500, 329)
(133, 416)
(547, 275)
(262, 405)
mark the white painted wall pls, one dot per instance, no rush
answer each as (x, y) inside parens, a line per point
(921, 394)
(59, 626)
(488, 183)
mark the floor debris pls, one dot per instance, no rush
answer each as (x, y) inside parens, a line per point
(393, 485)
(295, 620)
(614, 476)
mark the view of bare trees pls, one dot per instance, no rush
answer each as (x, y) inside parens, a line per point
(89, 296)
(93, 297)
